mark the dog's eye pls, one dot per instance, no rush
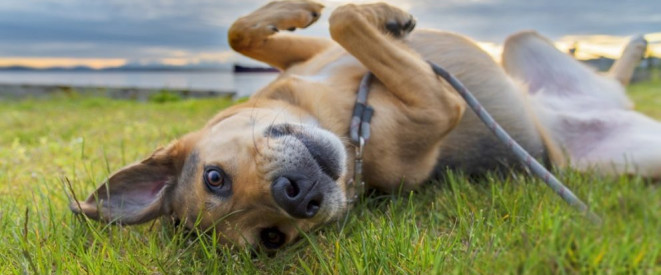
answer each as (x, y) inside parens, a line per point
(272, 238)
(215, 178)
(217, 181)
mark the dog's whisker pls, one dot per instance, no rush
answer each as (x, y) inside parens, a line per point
(253, 122)
(271, 124)
(254, 139)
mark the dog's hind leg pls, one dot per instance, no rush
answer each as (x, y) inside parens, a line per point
(624, 67)
(556, 80)
(588, 115)
(256, 35)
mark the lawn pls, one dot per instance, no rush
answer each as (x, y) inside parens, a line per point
(49, 148)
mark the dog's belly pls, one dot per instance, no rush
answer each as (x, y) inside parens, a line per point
(607, 141)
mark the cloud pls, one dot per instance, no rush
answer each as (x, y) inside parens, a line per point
(171, 29)
(494, 20)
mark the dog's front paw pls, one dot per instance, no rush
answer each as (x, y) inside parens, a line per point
(388, 19)
(253, 29)
(288, 15)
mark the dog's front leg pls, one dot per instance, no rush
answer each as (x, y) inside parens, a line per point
(417, 110)
(256, 35)
(371, 33)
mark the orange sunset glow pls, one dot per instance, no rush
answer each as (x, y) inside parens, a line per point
(589, 46)
(41, 63)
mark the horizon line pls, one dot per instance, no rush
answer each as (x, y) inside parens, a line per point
(590, 47)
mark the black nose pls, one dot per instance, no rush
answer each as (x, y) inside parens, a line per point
(297, 195)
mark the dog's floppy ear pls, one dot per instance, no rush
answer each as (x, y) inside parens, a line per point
(138, 192)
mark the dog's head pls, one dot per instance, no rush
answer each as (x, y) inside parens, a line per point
(255, 176)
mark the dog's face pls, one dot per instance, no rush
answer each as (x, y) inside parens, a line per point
(255, 176)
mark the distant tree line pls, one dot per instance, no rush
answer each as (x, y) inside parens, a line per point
(648, 67)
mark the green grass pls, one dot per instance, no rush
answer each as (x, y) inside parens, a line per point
(647, 95)
(510, 225)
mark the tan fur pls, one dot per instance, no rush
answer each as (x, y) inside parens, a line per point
(419, 127)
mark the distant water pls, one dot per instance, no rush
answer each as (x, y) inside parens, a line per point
(244, 83)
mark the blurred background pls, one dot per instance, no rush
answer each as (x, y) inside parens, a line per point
(153, 44)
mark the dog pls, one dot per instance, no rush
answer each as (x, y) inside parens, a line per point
(264, 170)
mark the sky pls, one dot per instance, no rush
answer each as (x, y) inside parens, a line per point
(102, 33)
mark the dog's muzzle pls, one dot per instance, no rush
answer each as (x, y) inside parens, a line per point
(311, 165)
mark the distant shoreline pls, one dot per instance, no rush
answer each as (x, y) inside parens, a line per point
(111, 70)
(20, 91)
(226, 68)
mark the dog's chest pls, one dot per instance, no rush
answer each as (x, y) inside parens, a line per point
(334, 67)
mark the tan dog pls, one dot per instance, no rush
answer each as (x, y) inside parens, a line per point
(262, 170)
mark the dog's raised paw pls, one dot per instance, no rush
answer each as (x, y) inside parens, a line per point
(398, 28)
(288, 15)
(388, 19)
